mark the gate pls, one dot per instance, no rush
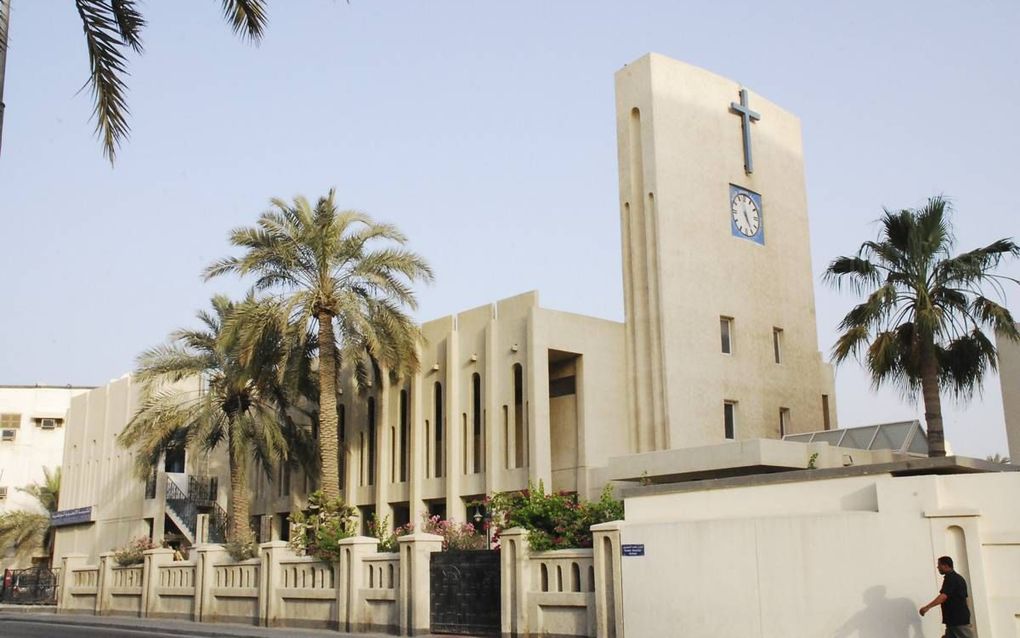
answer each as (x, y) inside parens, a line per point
(465, 592)
(34, 586)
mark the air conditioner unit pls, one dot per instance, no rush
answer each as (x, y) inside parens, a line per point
(47, 424)
(8, 435)
(3, 493)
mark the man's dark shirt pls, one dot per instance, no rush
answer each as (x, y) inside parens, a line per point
(954, 610)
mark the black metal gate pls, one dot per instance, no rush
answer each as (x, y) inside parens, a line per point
(34, 586)
(465, 592)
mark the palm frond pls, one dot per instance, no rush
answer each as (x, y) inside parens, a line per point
(108, 66)
(246, 17)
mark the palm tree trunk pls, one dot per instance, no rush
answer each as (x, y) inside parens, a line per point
(239, 489)
(5, 25)
(329, 478)
(932, 405)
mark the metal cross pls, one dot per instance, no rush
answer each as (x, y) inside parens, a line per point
(746, 117)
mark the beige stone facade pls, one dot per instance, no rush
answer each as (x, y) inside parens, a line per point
(511, 393)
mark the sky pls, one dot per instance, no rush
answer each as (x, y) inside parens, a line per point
(486, 132)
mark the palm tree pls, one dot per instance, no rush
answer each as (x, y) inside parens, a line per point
(113, 26)
(333, 275)
(26, 531)
(921, 323)
(247, 403)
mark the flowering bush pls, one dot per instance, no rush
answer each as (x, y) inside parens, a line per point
(387, 540)
(318, 531)
(131, 554)
(456, 536)
(557, 520)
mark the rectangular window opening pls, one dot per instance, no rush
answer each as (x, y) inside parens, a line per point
(777, 344)
(726, 333)
(825, 412)
(729, 419)
(784, 422)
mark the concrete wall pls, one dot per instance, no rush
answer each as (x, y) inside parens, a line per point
(1009, 379)
(821, 558)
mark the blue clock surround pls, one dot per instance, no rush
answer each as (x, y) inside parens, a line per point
(758, 237)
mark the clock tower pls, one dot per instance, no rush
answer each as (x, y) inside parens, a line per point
(721, 340)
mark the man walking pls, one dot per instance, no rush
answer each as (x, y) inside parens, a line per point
(953, 599)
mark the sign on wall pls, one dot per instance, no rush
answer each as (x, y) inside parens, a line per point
(633, 550)
(76, 516)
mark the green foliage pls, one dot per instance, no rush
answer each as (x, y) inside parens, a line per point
(319, 530)
(25, 531)
(242, 546)
(556, 520)
(812, 463)
(133, 552)
(387, 539)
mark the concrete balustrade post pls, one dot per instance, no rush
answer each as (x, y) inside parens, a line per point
(352, 614)
(68, 564)
(269, 600)
(106, 563)
(208, 556)
(608, 579)
(201, 529)
(414, 595)
(151, 560)
(514, 575)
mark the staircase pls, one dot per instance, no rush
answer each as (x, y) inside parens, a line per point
(183, 507)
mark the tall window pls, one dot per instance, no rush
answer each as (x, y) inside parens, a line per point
(341, 443)
(825, 412)
(438, 401)
(777, 344)
(476, 416)
(729, 419)
(784, 422)
(726, 333)
(371, 441)
(519, 428)
(405, 451)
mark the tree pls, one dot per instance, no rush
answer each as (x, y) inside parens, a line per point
(921, 322)
(333, 275)
(113, 26)
(26, 531)
(245, 402)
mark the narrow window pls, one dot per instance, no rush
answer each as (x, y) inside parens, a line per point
(507, 449)
(428, 449)
(777, 344)
(726, 332)
(784, 422)
(519, 433)
(405, 419)
(825, 412)
(476, 416)
(341, 443)
(439, 428)
(362, 464)
(371, 440)
(465, 443)
(729, 419)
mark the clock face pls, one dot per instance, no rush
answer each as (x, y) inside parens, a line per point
(746, 216)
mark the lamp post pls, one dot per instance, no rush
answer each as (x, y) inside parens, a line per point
(479, 517)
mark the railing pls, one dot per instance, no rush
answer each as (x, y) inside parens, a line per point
(203, 489)
(217, 523)
(181, 505)
(150, 486)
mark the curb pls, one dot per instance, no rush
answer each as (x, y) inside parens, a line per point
(206, 630)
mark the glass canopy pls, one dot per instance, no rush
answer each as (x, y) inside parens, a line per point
(906, 437)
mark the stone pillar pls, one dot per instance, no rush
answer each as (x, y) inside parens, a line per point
(105, 583)
(608, 579)
(492, 423)
(536, 394)
(515, 581)
(416, 439)
(453, 429)
(152, 559)
(414, 593)
(383, 444)
(201, 529)
(68, 563)
(351, 613)
(208, 556)
(269, 600)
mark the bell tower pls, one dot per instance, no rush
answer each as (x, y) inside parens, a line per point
(721, 340)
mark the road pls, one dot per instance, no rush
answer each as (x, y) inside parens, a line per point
(33, 629)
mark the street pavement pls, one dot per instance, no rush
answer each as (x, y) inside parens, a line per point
(50, 625)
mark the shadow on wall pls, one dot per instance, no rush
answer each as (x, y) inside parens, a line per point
(883, 617)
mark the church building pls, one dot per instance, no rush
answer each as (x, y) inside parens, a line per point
(718, 349)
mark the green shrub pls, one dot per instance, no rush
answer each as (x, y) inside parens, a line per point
(557, 520)
(319, 530)
(456, 536)
(132, 553)
(243, 547)
(387, 539)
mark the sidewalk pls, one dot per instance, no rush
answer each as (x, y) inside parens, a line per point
(181, 627)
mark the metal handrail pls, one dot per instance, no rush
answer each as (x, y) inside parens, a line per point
(181, 505)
